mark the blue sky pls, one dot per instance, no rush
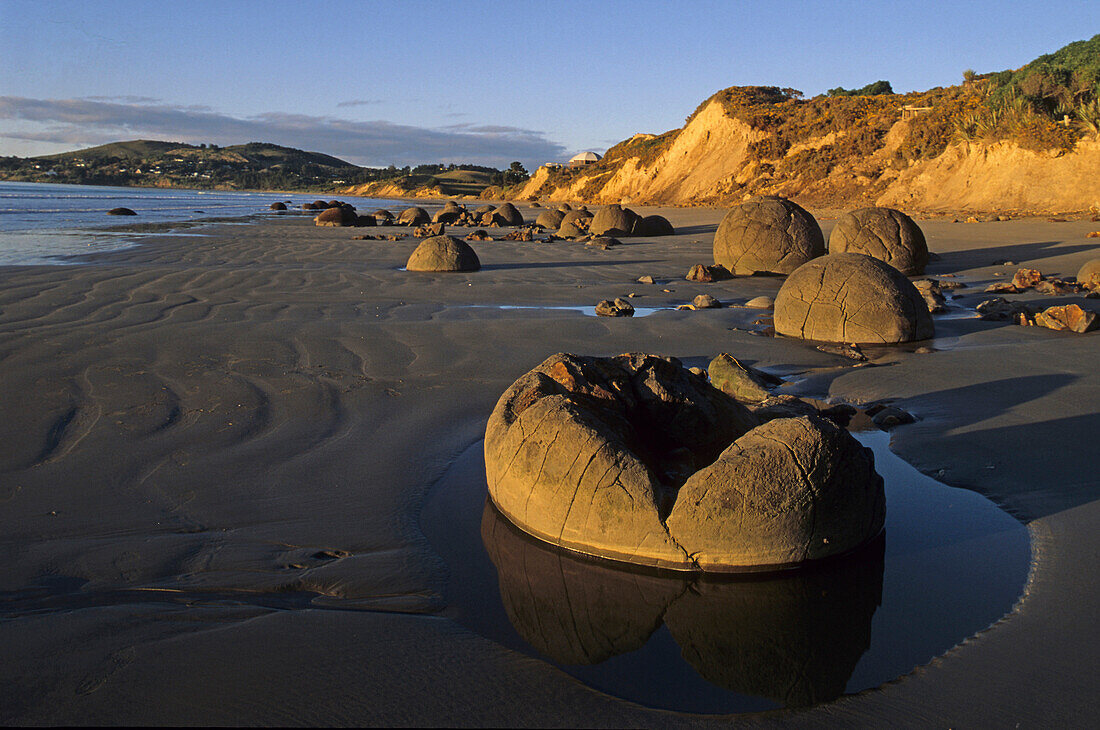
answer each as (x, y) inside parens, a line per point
(406, 82)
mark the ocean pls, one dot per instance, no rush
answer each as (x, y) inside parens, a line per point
(43, 223)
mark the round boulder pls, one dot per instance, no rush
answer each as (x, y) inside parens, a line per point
(366, 221)
(767, 235)
(565, 207)
(383, 216)
(654, 225)
(483, 209)
(338, 216)
(550, 219)
(507, 215)
(413, 217)
(1088, 275)
(614, 220)
(120, 211)
(884, 233)
(588, 453)
(443, 253)
(277, 206)
(787, 492)
(574, 224)
(852, 298)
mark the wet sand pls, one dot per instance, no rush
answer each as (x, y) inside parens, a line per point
(213, 453)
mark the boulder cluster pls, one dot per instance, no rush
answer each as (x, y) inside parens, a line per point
(635, 458)
(772, 235)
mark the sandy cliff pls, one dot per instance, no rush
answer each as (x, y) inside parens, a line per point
(710, 161)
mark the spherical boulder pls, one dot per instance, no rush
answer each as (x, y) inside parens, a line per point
(507, 215)
(851, 298)
(654, 225)
(574, 223)
(1088, 275)
(443, 253)
(767, 235)
(790, 491)
(483, 209)
(884, 233)
(120, 211)
(550, 219)
(565, 207)
(587, 453)
(613, 220)
(413, 217)
(338, 216)
(277, 206)
(450, 212)
(383, 216)
(366, 221)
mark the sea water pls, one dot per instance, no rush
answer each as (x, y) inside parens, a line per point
(43, 223)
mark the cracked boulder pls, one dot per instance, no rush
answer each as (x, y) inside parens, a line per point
(613, 220)
(588, 453)
(1088, 275)
(767, 235)
(443, 253)
(413, 217)
(884, 233)
(550, 219)
(851, 298)
(790, 491)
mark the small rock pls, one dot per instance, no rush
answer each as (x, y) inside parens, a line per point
(1001, 287)
(1000, 309)
(1092, 234)
(647, 279)
(887, 417)
(850, 351)
(924, 350)
(1026, 278)
(617, 308)
(929, 289)
(1067, 317)
(706, 274)
(686, 308)
(760, 303)
(706, 301)
(736, 379)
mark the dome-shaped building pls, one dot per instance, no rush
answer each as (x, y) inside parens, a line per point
(583, 158)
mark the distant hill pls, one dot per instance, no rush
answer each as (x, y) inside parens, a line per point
(258, 154)
(252, 166)
(1025, 140)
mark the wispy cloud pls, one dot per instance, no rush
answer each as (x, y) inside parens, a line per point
(80, 122)
(359, 102)
(124, 99)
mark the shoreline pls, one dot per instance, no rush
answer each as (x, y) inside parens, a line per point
(259, 415)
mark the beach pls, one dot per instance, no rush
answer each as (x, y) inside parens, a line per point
(216, 450)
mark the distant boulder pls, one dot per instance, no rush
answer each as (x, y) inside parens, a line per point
(550, 219)
(507, 215)
(443, 253)
(654, 225)
(337, 216)
(767, 235)
(366, 221)
(565, 207)
(450, 213)
(574, 224)
(277, 206)
(413, 217)
(851, 298)
(120, 211)
(613, 220)
(383, 216)
(310, 206)
(884, 233)
(483, 209)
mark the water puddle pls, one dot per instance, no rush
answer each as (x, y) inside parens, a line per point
(948, 564)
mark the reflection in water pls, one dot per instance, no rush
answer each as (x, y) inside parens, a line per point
(794, 638)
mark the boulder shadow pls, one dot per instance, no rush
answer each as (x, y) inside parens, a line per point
(562, 264)
(980, 258)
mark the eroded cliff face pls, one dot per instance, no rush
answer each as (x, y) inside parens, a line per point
(710, 162)
(1000, 177)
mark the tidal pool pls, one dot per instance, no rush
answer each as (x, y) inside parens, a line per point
(948, 564)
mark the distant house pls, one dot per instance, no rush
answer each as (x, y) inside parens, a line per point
(909, 111)
(583, 158)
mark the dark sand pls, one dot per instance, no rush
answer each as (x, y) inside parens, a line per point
(214, 451)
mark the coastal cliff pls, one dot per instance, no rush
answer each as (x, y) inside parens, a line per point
(716, 158)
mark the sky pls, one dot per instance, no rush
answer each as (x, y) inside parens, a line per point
(380, 83)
